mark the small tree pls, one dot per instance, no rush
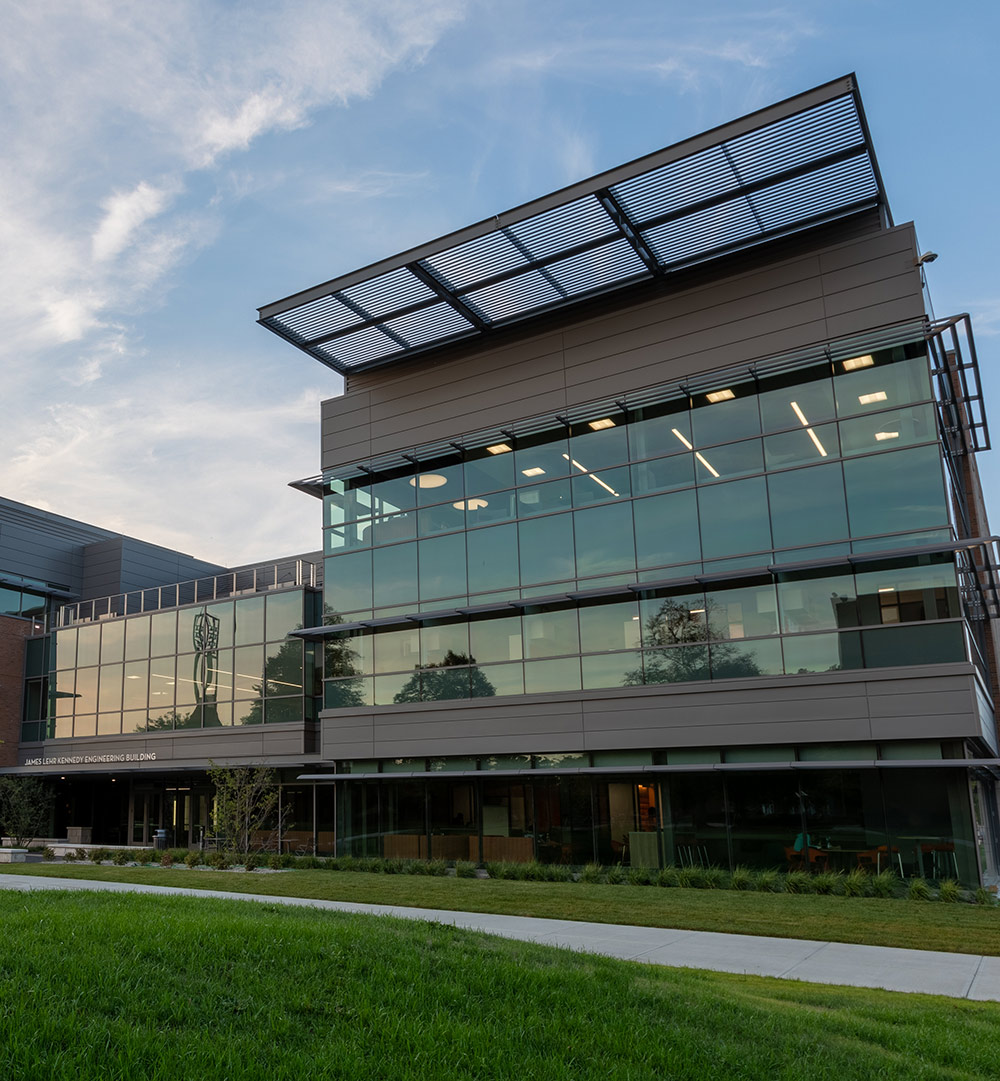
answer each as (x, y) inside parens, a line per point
(246, 804)
(25, 809)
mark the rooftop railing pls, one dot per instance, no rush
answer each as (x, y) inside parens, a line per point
(286, 575)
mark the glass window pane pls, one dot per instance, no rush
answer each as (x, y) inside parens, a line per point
(735, 660)
(496, 639)
(85, 726)
(609, 626)
(222, 618)
(394, 571)
(248, 712)
(913, 477)
(807, 505)
(657, 430)
(249, 621)
(546, 549)
(219, 671)
(804, 446)
(444, 644)
(283, 613)
(136, 684)
(393, 494)
(34, 657)
(88, 650)
(540, 457)
(346, 693)
(86, 690)
(896, 593)
(397, 651)
(163, 633)
(112, 641)
(137, 638)
(283, 667)
(881, 385)
(898, 428)
(612, 670)
(601, 447)
(110, 696)
(745, 612)
(485, 472)
(678, 665)
(438, 482)
(64, 649)
(663, 474)
(822, 652)
(591, 487)
(551, 634)
(603, 539)
(492, 558)
(442, 567)
(541, 677)
(395, 527)
(502, 678)
(443, 518)
(248, 671)
(811, 392)
(734, 518)
(441, 684)
(282, 710)
(673, 620)
(730, 460)
(666, 529)
(349, 655)
(347, 583)
(542, 498)
(933, 644)
(162, 676)
(817, 601)
(10, 601)
(718, 422)
(187, 620)
(403, 687)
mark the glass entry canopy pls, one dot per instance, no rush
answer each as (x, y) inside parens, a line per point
(799, 163)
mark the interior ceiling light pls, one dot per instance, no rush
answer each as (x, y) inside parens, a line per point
(593, 476)
(886, 435)
(720, 395)
(812, 435)
(704, 462)
(470, 504)
(854, 363)
(428, 480)
(499, 448)
(682, 439)
(534, 471)
(887, 589)
(597, 425)
(876, 396)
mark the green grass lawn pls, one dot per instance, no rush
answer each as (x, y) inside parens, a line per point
(959, 928)
(124, 987)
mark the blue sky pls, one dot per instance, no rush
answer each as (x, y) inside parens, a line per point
(170, 167)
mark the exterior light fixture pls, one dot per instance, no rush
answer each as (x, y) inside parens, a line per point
(476, 503)
(886, 435)
(876, 396)
(534, 471)
(854, 363)
(597, 425)
(499, 448)
(927, 257)
(428, 480)
(720, 395)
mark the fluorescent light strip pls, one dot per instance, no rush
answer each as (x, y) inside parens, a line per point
(698, 455)
(812, 435)
(682, 439)
(584, 469)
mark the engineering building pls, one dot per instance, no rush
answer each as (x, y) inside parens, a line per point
(652, 533)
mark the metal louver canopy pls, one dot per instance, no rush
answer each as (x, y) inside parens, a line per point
(800, 163)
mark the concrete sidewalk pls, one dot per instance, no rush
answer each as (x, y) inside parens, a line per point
(957, 975)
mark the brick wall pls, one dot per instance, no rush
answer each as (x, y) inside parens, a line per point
(12, 635)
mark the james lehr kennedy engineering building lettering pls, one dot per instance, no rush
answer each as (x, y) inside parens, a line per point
(652, 533)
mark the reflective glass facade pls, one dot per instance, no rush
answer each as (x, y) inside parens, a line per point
(204, 666)
(674, 522)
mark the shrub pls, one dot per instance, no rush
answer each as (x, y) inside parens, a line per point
(343, 863)
(798, 882)
(767, 881)
(97, 855)
(715, 878)
(179, 854)
(167, 859)
(857, 883)
(984, 897)
(219, 861)
(692, 878)
(253, 860)
(885, 884)
(192, 859)
(558, 872)
(827, 882)
(639, 876)
(274, 861)
(918, 890)
(616, 875)
(742, 878)
(463, 869)
(69, 856)
(438, 868)
(668, 877)
(48, 853)
(145, 855)
(121, 856)
(949, 891)
(593, 873)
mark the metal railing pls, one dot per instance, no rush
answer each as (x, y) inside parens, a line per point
(286, 575)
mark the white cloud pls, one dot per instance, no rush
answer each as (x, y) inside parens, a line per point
(124, 213)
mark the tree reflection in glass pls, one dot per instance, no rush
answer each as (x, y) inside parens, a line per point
(456, 676)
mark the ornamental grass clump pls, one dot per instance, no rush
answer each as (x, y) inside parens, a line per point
(949, 891)
(885, 884)
(715, 878)
(828, 882)
(857, 883)
(592, 873)
(463, 869)
(918, 890)
(798, 882)
(639, 876)
(742, 878)
(668, 877)
(616, 875)
(120, 857)
(767, 881)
